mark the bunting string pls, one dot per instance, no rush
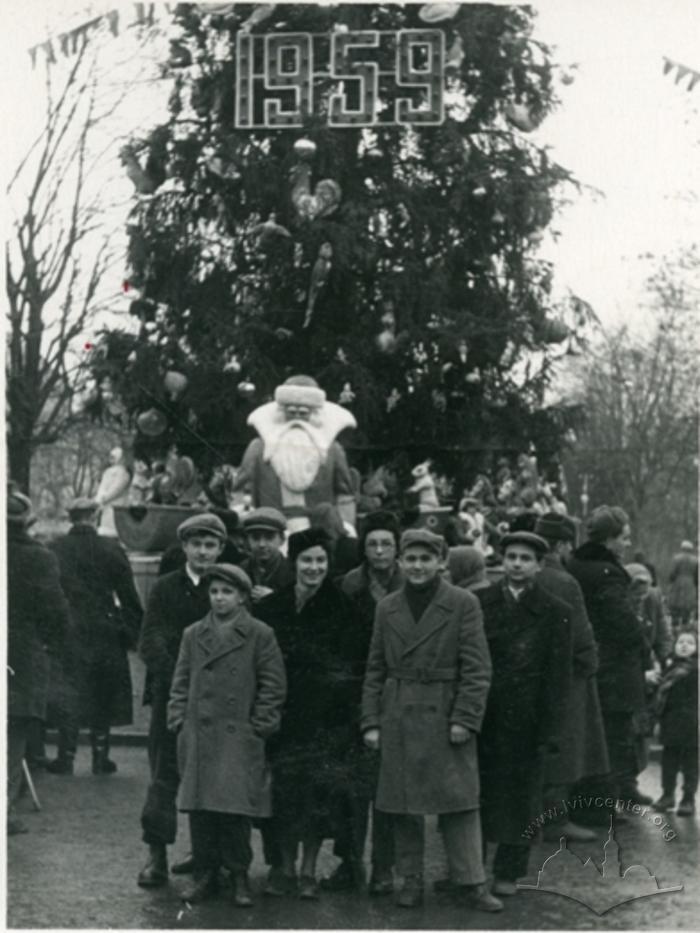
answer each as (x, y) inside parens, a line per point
(681, 73)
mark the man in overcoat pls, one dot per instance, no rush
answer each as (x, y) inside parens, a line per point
(583, 751)
(177, 600)
(529, 638)
(424, 696)
(37, 618)
(621, 643)
(98, 582)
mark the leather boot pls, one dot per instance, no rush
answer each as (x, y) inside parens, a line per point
(101, 763)
(154, 873)
(63, 764)
(241, 889)
(185, 867)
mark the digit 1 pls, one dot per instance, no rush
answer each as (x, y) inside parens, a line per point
(366, 73)
(299, 79)
(244, 80)
(430, 77)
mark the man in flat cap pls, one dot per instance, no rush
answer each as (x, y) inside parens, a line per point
(177, 600)
(583, 750)
(98, 582)
(37, 619)
(296, 462)
(424, 696)
(529, 637)
(267, 567)
(622, 649)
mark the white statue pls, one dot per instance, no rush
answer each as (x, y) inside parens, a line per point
(113, 490)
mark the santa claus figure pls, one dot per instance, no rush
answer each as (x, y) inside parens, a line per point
(296, 463)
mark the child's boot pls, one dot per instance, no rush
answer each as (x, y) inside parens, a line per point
(242, 896)
(666, 801)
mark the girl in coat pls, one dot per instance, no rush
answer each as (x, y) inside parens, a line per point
(316, 756)
(225, 700)
(677, 708)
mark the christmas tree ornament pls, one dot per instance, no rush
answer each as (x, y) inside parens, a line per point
(555, 331)
(438, 12)
(305, 149)
(479, 192)
(283, 333)
(142, 181)
(393, 400)
(220, 167)
(259, 15)
(347, 396)
(131, 358)
(246, 389)
(455, 55)
(174, 383)
(152, 422)
(325, 199)
(232, 365)
(374, 154)
(180, 56)
(498, 218)
(520, 116)
(386, 339)
(567, 78)
(319, 277)
(269, 231)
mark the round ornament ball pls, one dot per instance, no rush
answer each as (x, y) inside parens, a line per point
(151, 422)
(174, 383)
(246, 389)
(305, 148)
(519, 116)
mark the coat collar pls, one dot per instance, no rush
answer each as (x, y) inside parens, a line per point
(553, 562)
(216, 639)
(435, 617)
(82, 529)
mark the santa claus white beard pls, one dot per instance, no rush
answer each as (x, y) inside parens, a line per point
(297, 456)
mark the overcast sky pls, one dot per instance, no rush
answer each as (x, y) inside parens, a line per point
(623, 127)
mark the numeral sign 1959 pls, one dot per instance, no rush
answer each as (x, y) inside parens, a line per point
(277, 74)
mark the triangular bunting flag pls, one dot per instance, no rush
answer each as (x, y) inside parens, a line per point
(668, 65)
(694, 80)
(681, 72)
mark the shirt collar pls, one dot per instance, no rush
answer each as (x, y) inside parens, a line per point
(194, 577)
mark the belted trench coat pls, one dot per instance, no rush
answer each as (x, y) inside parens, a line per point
(421, 678)
(227, 692)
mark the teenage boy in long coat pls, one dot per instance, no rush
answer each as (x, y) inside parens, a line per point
(177, 600)
(529, 638)
(424, 696)
(98, 582)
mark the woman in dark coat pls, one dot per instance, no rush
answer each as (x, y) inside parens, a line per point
(314, 757)
(622, 648)
(98, 582)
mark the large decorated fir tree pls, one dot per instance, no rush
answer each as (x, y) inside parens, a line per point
(395, 263)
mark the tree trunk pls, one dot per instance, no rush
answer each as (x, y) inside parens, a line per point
(19, 451)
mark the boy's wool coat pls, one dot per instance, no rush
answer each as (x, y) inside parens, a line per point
(227, 692)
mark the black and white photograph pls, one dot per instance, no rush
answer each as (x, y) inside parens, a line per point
(351, 465)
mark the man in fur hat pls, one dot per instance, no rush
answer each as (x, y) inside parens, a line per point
(296, 463)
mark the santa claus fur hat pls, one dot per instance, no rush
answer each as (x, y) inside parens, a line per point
(300, 390)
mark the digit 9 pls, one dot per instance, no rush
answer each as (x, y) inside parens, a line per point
(299, 80)
(430, 77)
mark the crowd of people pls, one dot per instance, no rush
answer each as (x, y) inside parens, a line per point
(314, 688)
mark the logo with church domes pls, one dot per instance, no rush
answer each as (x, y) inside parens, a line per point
(600, 889)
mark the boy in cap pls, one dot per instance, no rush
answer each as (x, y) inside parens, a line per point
(267, 567)
(177, 600)
(225, 700)
(424, 696)
(528, 634)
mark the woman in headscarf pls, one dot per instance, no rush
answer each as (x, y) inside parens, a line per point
(467, 567)
(345, 554)
(314, 756)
